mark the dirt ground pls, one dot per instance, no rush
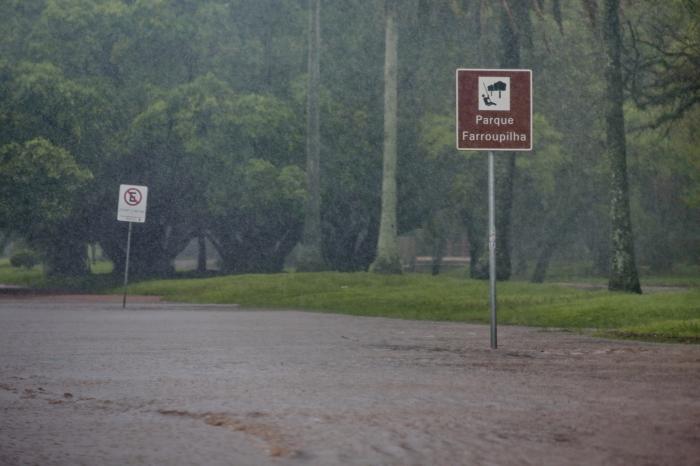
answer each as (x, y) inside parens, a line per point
(84, 382)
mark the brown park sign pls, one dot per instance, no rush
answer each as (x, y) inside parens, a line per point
(494, 109)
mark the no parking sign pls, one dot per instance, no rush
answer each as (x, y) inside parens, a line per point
(132, 209)
(132, 203)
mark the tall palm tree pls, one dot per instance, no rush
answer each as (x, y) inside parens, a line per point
(310, 257)
(387, 259)
(514, 25)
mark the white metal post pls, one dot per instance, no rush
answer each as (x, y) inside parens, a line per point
(492, 253)
(126, 265)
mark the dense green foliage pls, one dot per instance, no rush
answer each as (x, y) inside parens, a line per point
(205, 102)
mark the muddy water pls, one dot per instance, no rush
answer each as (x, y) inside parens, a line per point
(83, 382)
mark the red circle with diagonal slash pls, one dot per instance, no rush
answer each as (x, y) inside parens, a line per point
(133, 197)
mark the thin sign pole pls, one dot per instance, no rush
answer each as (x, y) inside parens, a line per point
(492, 253)
(126, 266)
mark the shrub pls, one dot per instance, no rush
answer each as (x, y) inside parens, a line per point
(27, 259)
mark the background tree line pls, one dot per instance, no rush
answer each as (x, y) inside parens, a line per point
(212, 104)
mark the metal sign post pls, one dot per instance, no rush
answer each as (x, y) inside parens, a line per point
(126, 266)
(494, 113)
(131, 208)
(492, 253)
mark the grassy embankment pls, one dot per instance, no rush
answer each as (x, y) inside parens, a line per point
(34, 277)
(660, 316)
(19, 276)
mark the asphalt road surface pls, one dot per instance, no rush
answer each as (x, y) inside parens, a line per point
(85, 382)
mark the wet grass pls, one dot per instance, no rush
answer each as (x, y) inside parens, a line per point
(670, 315)
(660, 316)
(685, 331)
(19, 276)
(100, 278)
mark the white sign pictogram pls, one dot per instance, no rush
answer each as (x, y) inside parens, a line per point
(494, 93)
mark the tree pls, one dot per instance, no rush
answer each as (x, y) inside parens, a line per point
(204, 101)
(310, 258)
(663, 59)
(515, 28)
(39, 183)
(623, 269)
(214, 161)
(256, 233)
(352, 132)
(387, 259)
(514, 33)
(40, 102)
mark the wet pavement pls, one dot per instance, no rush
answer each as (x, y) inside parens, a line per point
(84, 382)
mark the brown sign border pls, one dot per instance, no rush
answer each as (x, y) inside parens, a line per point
(473, 108)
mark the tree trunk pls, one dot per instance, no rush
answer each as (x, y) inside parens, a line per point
(4, 241)
(555, 236)
(310, 257)
(477, 269)
(201, 252)
(505, 173)
(505, 162)
(438, 253)
(436, 229)
(623, 270)
(65, 253)
(387, 260)
(151, 256)
(542, 264)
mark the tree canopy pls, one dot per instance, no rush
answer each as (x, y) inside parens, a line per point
(207, 103)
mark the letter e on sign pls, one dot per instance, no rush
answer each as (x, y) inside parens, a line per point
(132, 203)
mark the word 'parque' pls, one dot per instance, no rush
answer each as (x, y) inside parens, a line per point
(498, 121)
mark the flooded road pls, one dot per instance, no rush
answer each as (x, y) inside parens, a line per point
(85, 382)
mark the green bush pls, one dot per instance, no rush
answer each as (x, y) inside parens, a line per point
(26, 259)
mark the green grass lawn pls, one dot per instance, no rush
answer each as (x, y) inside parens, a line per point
(34, 277)
(662, 316)
(672, 315)
(19, 276)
